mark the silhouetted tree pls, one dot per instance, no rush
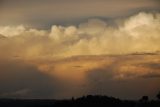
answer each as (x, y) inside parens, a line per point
(144, 98)
(158, 95)
(72, 99)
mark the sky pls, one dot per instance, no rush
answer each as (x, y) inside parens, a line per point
(64, 48)
(45, 13)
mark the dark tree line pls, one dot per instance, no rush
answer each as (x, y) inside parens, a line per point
(158, 95)
(89, 100)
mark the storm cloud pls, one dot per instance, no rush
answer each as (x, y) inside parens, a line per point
(95, 57)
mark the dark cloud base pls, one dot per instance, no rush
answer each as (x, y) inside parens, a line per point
(23, 80)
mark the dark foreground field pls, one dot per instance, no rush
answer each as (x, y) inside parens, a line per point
(99, 101)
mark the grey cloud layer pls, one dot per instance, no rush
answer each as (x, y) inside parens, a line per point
(40, 12)
(22, 80)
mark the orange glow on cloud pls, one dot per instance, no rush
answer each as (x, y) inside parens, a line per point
(89, 55)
